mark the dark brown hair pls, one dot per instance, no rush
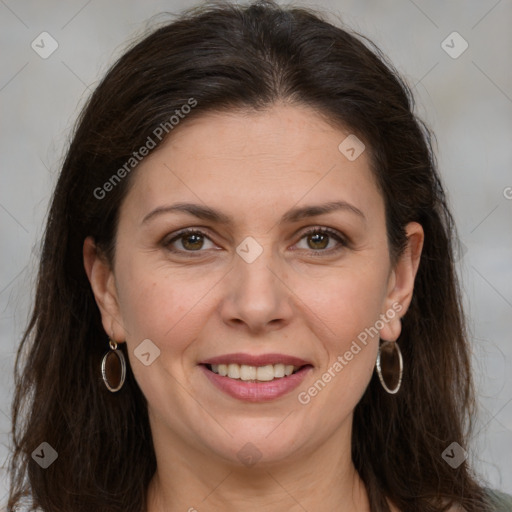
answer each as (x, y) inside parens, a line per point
(228, 57)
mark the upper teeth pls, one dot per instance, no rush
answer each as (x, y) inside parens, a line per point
(246, 372)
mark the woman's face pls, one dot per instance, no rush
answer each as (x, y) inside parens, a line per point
(259, 282)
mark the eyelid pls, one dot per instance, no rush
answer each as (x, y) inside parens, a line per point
(323, 229)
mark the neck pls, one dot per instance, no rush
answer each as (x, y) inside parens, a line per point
(191, 480)
(269, 491)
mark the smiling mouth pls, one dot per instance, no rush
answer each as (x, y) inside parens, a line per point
(247, 373)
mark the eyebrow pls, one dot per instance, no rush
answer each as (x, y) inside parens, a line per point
(293, 215)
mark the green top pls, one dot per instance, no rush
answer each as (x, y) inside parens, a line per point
(502, 501)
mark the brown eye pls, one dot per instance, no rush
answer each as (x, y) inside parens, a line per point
(318, 240)
(191, 240)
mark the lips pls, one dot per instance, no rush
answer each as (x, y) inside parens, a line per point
(242, 385)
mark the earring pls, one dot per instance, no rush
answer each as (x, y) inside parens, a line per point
(390, 366)
(113, 368)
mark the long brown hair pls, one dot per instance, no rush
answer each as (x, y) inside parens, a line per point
(223, 57)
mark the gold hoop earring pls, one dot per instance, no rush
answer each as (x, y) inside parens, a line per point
(390, 366)
(113, 368)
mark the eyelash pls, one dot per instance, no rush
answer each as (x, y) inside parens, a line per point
(326, 231)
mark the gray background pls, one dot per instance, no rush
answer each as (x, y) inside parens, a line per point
(466, 100)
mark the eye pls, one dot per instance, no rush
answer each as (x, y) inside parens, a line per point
(191, 240)
(318, 240)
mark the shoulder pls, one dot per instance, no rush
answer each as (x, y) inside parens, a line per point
(502, 501)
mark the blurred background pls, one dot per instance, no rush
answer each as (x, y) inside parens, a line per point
(457, 57)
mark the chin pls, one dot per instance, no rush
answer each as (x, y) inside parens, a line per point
(258, 446)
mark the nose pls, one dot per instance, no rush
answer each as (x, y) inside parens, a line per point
(256, 296)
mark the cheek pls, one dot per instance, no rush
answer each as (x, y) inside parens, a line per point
(167, 306)
(150, 296)
(345, 315)
(345, 302)
(169, 311)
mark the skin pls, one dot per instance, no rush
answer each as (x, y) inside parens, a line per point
(253, 167)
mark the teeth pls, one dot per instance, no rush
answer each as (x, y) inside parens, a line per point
(265, 373)
(259, 373)
(248, 372)
(279, 370)
(234, 371)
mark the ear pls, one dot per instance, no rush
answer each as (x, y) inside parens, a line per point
(102, 280)
(401, 283)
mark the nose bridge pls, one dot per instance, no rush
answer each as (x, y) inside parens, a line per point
(255, 258)
(257, 295)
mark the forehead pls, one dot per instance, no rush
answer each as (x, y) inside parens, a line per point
(255, 160)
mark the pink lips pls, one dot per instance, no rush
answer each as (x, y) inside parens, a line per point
(257, 391)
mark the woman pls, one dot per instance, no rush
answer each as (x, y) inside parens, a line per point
(247, 297)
